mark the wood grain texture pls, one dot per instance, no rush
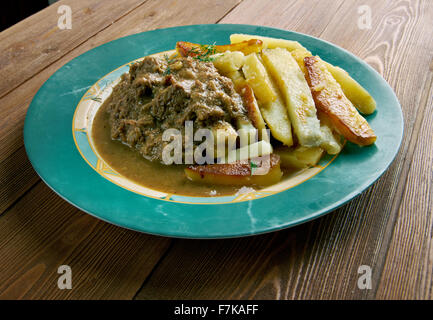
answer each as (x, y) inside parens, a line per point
(16, 176)
(152, 14)
(388, 227)
(36, 42)
(41, 233)
(325, 263)
(408, 269)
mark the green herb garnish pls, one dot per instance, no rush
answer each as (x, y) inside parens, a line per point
(204, 52)
(169, 61)
(253, 167)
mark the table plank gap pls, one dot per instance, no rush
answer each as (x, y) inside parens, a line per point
(42, 232)
(408, 162)
(17, 177)
(36, 277)
(380, 228)
(156, 266)
(325, 265)
(228, 12)
(407, 272)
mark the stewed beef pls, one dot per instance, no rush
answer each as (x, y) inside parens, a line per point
(161, 93)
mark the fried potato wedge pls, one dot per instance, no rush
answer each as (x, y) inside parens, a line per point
(330, 143)
(299, 55)
(331, 100)
(246, 47)
(240, 173)
(257, 77)
(252, 107)
(228, 62)
(356, 93)
(194, 49)
(297, 95)
(361, 99)
(270, 43)
(238, 80)
(273, 112)
(299, 157)
(275, 116)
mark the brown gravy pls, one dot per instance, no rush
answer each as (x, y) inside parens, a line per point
(130, 163)
(154, 175)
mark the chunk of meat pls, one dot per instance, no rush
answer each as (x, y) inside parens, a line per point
(159, 94)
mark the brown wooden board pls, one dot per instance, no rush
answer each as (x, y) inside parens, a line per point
(321, 260)
(388, 227)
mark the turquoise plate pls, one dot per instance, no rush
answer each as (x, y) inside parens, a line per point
(61, 151)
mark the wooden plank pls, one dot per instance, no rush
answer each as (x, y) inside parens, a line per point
(36, 42)
(16, 177)
(408, 269)
(228, 269)
(42, 232)
(389, 49)
(151, 15)
(321, 259)
(309, 17)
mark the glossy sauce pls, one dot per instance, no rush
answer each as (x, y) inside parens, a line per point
(154, 175)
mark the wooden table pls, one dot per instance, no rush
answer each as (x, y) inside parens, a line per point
(389, 227)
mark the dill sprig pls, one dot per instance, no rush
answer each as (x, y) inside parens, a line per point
(169, 61)
(204, 52)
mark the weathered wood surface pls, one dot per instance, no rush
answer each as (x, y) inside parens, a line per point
(40, 233)
(150, 15)
(30, 257)
(321, 260)
(388, 227)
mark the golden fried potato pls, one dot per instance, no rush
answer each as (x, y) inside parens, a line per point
(240, 173)
(246, 47)
(252, 107)
(331, 100)
(238, 80)
(297, 95)
(228, 62)
(361, 99)
(277, 119)
(300, 157)
(270, 43)
(194, 49)
(257, 77)
(356, 93)
(273, 111)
